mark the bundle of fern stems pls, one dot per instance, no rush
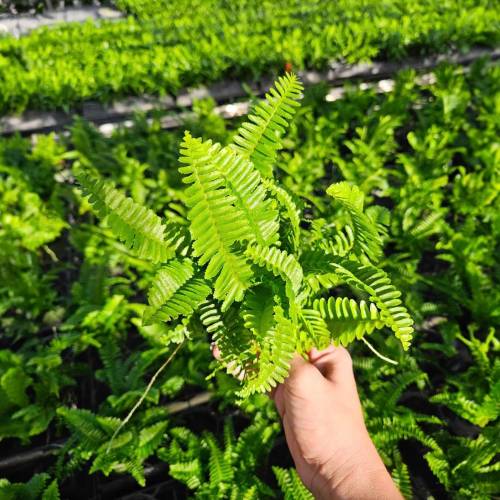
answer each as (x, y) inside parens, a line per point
(244, 266)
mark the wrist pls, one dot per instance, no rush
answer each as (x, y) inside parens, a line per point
(363, 476)
(366, 483)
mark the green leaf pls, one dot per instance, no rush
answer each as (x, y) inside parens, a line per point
(175, 291)
(377, 285)
(250, 197)
(216, 223)
(276, 351)
(15, 382)
(139, 228)
(52, 492)
(347, 319)
(366, 236)
(279, 262)
(259, 139)
(290, 484)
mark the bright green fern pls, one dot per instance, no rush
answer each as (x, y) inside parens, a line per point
(259, 281)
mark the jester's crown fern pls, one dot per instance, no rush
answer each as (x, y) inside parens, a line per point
(259, 138)
(140, 229)
(243, 274)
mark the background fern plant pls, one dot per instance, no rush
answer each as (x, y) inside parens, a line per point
(243, 271)
(77, 352)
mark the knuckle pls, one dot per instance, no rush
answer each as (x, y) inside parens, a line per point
(343, 356)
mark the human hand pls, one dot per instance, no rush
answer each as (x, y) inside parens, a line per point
(325, 430)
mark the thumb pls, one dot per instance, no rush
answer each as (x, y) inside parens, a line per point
(302, 375)
(302, 370)
(335, 364)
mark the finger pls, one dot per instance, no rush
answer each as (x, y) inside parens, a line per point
(335, 364)
(314, 354)
(299, 369)
(301, 375)
(232, 368)
(278, 396)
(215, 351)
(276, 393)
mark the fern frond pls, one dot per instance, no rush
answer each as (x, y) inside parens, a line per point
(31, 490)
(250, 197)
(291, 485)
(274, 356)
(216, 223)
(478, 414)
(389, 394)
(139, 228)
(289, 207)
(426, 226)
(51, 492)
(481, 452)
(85, 426)
(279, 262)
(250, 493)
(401, 476)
(150, 438)
(377, 285)
(175, 291)
(318, 271)
(317, 328)
(344, 242)
(317, 282)
(177, 236)
(365, 231)
(185, 443)
(347, 319)
(227, 332)
(255, 442)
(259, 139)
(258, 311)
(134, 467)
(439, 465)
(398, 427)
(229, 441)
(381, 217)
(189, 472)
(220, 470)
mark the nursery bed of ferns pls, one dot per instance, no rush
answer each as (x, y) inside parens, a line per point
(161, 47)
(75, 356)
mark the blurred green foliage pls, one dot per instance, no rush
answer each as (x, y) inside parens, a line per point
(169, 45)
(75, 357)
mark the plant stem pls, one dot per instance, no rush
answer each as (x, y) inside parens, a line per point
(143, 396)
(381, 356)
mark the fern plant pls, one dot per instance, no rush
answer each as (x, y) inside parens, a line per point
(37, 488)
(91, 437)
(250, 271)
(291, 485)
(227, 471)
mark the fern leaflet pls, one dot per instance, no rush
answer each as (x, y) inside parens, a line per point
(365, 232)
(290, 209)
(140, 229)
(377, 285)
(279, 262)
(274, 356)
(347, 319)
(291, 485)
(245, 184)
(216, 224)
(175, 291)
(259, 138)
